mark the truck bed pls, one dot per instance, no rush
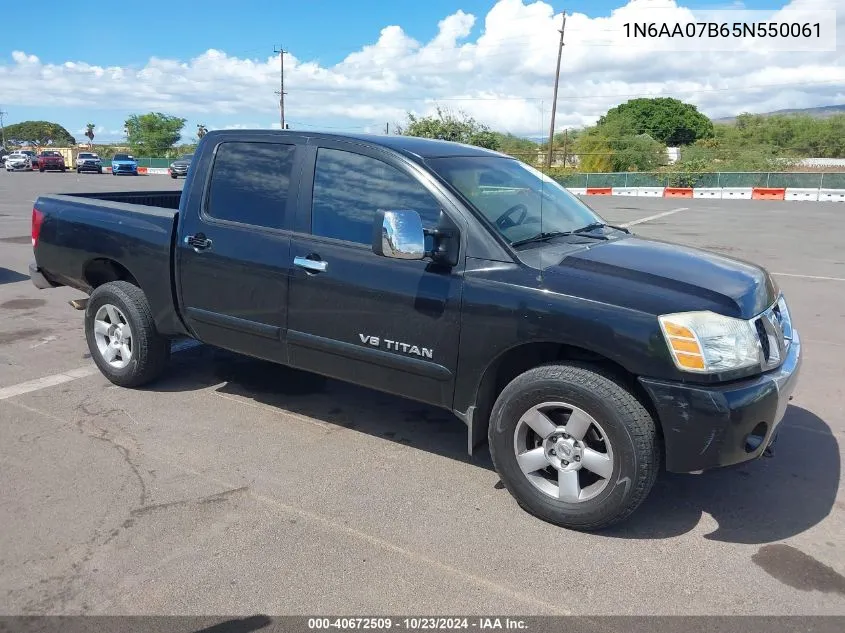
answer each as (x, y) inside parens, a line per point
(159, 199)
(82, 232)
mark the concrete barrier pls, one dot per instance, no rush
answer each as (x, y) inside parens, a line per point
(767, 193)
(650, 192)
(736, 193)
(677, 192)
(707, 192)
(831, 195)
(599, 191)
(577, 191)
(624, 191)
(811, 195)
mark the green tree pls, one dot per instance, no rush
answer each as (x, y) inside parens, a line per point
(201, 130)
(460, 128)
(665, 119)
(89, 132)
(39, 133)
(153, 134)
(593, 153)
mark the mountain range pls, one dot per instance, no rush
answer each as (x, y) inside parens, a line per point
(821, 112)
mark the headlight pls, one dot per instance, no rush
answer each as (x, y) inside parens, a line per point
(706, 342)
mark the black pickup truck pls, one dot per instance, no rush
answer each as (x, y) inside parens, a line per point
(589, 358)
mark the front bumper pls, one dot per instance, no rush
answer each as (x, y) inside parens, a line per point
(710, 427)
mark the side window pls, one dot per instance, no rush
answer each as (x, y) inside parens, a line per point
(349, 188)
(250, 182)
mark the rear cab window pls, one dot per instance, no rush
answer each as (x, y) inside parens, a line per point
(250, 181)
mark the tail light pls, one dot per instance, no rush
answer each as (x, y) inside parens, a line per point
(37, 221)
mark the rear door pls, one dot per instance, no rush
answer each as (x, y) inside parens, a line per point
(234, 249)
(384, 323)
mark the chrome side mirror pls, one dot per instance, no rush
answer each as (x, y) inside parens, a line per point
(398, 234)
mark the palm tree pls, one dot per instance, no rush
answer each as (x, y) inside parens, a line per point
(201, 130)
(89, 132)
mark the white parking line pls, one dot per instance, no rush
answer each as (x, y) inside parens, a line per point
(653, 217)
(74, 374)
(46, 381)
(810, 276)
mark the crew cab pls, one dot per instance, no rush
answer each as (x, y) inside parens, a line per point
(49, 159)
(588, 357)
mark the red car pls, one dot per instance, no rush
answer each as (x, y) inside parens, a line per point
(51, 160)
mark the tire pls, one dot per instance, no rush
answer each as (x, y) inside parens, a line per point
(173, 176)
(620, 441)
(149, 351)
(41, 169)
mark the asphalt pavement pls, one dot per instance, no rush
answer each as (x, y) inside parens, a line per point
(236, 487)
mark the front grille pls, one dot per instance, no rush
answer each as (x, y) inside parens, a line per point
(774, 329)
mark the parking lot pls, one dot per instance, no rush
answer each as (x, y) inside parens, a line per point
(237, 487)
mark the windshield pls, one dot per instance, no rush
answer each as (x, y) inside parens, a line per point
(83, 155)
(122, 157)
(511, 195)
(186, 157)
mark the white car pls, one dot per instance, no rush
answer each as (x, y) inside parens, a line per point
(18, 161)
(88, 161)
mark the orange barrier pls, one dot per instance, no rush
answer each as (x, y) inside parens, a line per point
(599, 191)
(768, 193)
(142, 170)
(677, 192)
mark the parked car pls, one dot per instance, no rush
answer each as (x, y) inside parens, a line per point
(179, 167)
(588, 357)
(88, 161)
(18, 161)
(124, 164)
(51, 160)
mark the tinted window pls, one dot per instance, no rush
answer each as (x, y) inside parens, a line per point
(122, 157)
(350, 188)
(250, 182)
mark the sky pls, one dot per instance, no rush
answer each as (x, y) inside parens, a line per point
(363, 65)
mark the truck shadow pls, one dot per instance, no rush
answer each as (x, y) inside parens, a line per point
(753, 503)
(758, 502)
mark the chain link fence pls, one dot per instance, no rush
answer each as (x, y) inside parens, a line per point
(796, 180)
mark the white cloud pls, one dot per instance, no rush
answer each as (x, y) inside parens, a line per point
(503, 76)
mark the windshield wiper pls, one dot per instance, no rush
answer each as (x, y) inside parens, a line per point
(590, 227)
(600, 225)
(540, 237)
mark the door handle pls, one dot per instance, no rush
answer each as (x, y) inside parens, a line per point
(310, 264)
(198, 242)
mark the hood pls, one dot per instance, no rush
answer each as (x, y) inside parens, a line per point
(124, 162)
(659, 277)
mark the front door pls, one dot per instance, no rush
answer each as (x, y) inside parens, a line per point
(384, 323)
(234, 251)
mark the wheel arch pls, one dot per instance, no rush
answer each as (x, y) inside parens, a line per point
(102, 270)
(520, 358)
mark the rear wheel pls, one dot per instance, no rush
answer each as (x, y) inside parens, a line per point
(122, 336)
(573, 446)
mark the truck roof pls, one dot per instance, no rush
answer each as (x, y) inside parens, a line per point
(412, 146)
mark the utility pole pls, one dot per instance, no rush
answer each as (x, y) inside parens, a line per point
(3, 129)
(554, 99)
(281, 91)
(387, 128)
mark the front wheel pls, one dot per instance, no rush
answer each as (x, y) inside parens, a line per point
(122, 336)
(573, 446)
